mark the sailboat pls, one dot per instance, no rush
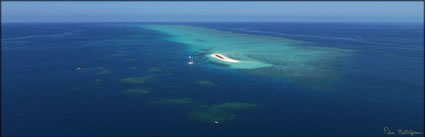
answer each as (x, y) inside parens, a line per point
(190, 61)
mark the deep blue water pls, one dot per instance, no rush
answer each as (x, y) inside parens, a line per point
(43, 94)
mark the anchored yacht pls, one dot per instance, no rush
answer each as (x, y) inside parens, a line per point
(190, 61)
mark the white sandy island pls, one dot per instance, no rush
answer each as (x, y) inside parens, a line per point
(224, 58)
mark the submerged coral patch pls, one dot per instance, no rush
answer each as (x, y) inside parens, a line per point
(221, 112)
(138, 80)
(137, 91)
(130, 59)
(180, 101)
(98, 80)
(154, 69)
(119, 53)
(102, 71)
(206, 83)
(211, 114)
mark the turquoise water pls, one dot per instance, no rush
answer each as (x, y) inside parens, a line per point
(122, 79)
(272, 56)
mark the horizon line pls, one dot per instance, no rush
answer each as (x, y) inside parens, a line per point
(209, 21)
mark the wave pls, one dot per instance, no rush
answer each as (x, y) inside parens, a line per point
(56, 35)
(299, 35)
(399, 48)
(393, 45)
(18, 38)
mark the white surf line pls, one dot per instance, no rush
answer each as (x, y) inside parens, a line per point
(224, 58)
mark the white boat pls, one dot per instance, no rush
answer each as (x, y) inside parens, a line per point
(190, 61)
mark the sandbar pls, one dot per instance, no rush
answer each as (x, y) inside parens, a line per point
(224, 58)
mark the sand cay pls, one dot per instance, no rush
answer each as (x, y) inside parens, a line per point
(224, 58)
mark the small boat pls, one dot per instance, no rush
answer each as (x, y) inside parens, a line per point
(190, 61)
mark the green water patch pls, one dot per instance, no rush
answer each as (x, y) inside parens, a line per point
(221, 113)
(137, 91)
(206, 83)
(102, 71)
(138, 80)
(304, 62)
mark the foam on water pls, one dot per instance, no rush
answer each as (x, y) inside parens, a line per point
(263, 55)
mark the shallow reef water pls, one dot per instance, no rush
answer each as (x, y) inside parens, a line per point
(261, 55)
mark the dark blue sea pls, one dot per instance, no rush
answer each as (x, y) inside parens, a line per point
(66, 79)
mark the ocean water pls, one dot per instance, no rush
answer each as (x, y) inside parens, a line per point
(133, 79)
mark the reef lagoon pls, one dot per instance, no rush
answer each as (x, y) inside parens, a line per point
(284, 79)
